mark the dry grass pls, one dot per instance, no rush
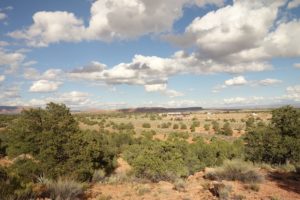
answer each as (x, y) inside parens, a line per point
(236, 170)
(63, 189)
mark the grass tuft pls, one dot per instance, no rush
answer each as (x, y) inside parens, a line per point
(236, 170)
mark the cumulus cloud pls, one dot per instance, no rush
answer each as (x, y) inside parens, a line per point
(242, 33)
(51, 27)
(10, 60)
(153, 72)
(293, 4)
(29, 63)
(243, 100)
(182, 103)
(239, 80)
(45, 86)
(50, 74)
(2, 78)
(2, 16)
(269, 81)
(235, 81)
(8, 93)
(110, 19)
(297, 65)
(155, 87)
(72, 99)
(292, 93)
(232, 29)
(3, 43)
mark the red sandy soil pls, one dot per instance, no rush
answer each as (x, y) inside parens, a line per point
(276, 186)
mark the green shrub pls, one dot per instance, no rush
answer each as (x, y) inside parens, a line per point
(277, 142)
(215, 126)
(192, 128)
(178, 135)
(52, 137)
(227, 129)
(175, 126)
(162, 160)
(148, 134)
(146, 125)
(207, 127)
(183, 126)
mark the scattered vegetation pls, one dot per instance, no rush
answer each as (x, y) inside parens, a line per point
(51, 157)
(236, 170)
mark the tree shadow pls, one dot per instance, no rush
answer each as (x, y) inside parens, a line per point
(289, 181)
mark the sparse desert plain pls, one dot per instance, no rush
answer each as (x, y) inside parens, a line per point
(205, 154)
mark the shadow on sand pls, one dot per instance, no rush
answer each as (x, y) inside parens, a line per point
(287, 181)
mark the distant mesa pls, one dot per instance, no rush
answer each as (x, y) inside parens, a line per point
(160, 109)
(11, 109)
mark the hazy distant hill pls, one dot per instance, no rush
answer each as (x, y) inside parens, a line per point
(161, 109)
(10, 109)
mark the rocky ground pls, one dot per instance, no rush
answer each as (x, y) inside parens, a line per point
(276, 186)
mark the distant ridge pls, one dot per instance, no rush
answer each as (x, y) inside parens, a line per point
(11, 109)
(160, 109)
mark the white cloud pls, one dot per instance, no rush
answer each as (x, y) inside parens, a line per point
(235, 100)
(9, 93)
(10, 60)
(31, 74)
(292, 93)
(232, 29)
(293, 4)
(51, 27)
(182, 103)
(153, 72)
(283, 42)
(2, 78)
(162, 88)
(50, 74)
(243, 33)
(269, 81)
(173, 93)
(297, 65)
(235, 81)
(243, 100)
(45, 86)
(29, 63)
(239, 80)
(2, 16)
(155, 87)
(74, 98)
(110, 19)
(3, 43)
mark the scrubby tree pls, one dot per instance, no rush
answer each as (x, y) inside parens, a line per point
(278, 142)
(227, 130)
(52, 137)
(215, 126)
(206, 127)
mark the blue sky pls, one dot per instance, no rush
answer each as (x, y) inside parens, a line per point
(129, 53)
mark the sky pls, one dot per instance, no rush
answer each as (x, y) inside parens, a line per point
(109, 54)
